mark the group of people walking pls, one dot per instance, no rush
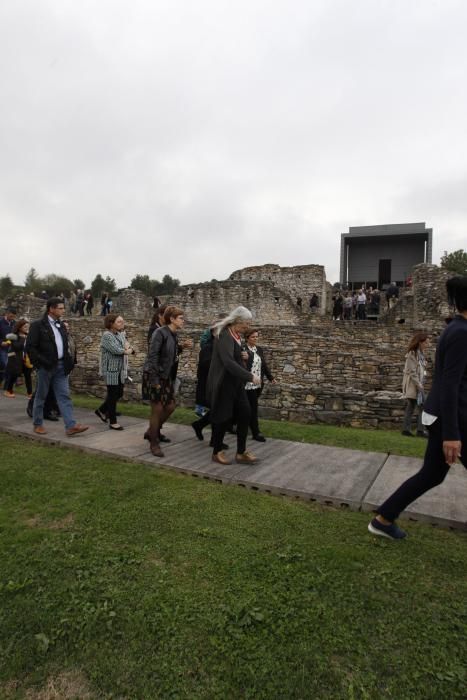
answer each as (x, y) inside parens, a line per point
(231, 373)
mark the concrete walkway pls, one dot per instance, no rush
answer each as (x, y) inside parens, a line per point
(333, 475)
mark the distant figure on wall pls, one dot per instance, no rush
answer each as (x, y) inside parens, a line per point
(314, 303)
(392, 294)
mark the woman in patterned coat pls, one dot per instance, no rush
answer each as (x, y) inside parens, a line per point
(113, 367)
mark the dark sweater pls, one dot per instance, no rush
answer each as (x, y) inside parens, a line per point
(448, 396)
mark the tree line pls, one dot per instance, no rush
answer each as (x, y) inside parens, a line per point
(54, 284)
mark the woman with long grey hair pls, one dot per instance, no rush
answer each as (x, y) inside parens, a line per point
(226, 385)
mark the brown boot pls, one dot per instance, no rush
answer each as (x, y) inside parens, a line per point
(245, 458)
(220, 458)
(156, 450)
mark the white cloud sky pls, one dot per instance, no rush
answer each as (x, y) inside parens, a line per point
(196, 138)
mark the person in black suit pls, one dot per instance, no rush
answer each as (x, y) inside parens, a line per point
(444, 415)
(53, 357)
(256, 364)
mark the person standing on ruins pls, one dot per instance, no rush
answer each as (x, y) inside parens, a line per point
(445, 416)
(225, 391)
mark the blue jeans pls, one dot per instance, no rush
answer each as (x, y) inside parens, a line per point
(59, 381)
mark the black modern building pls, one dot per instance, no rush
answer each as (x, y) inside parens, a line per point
(378, 255)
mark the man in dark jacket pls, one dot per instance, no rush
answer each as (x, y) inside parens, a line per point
(444, 415)
(6, 326)
(49, 352)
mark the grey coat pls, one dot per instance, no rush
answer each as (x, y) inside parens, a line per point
(114, 362)
(226, 378)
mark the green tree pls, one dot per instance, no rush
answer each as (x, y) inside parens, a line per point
(6, 286)
(455, 262)
(143, 283)
(33, 282)
(169, 284)
(56, 284)
(97, 286)
(78, 284)
(110, 285)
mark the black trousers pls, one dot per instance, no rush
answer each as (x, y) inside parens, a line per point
(432, 473)
(11, 380)
(253, 396)
(109, 407)
(202, 422)
(241, 416)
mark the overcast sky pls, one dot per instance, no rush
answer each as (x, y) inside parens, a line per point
(193, 138)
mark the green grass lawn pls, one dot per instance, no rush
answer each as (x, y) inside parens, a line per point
(355, 438)
(119, 580)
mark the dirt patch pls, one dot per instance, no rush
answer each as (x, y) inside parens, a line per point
(69, 685)
(8, 689)
(153, 560)
(60, 524)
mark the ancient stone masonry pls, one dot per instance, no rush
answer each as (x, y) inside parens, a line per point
(27, 306)
(352, 377)
(268, 304)
(429, 288)
(131, 303)
(300, 280)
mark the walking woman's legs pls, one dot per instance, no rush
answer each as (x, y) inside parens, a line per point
(242, 414)
(252, 395)
(409, 409)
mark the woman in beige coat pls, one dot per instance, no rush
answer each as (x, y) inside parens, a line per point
(412, 382)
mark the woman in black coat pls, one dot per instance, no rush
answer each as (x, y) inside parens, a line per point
(256, 364)
(17, 364)
(225, 390)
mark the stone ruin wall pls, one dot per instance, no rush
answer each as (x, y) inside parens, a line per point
(350, 378)
(202, 302)
(332, 372)
(429, 292)
(131, 303)
(300, 280)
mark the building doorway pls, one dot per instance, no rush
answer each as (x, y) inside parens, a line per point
(384, 273)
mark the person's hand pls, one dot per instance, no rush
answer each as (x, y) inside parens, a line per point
(244, 355)
(187, 344)
(256, 380)
(452, 451)
(273, 381)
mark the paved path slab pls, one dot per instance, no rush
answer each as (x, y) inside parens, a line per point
(359, 480)
(445, 505)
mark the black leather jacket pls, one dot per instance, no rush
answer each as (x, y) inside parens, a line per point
(162, 358)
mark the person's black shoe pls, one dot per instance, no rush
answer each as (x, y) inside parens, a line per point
(164, 438)
(198, 431)
(101, 415)
(407, 433)
(422, 433)
(51, 416)
(259, 438)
